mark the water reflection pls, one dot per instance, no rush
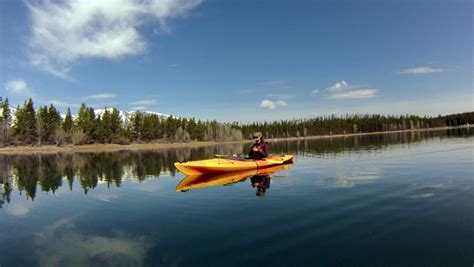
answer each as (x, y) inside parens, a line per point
(352, 176)
(67, 244)
(361, 143)
(261, 182)
(259, 179)
(30, 174)
(50, 171)
(369, 196)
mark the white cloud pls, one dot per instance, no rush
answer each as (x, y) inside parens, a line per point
(315, 92)
(281, 103)
(421, 70)
(338, 87)
(144, 102)
(354, 94)
(67, 31)
(270, 105)
(101, 96)
(339, 90)
(18, 87)
(139, 108)
(267, 104)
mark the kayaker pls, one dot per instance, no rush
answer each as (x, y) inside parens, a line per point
(259, 149)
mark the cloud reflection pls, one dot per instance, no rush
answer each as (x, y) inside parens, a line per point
(109, 197)
(60, 244)
(19, 209)
(427, 191)
(349, 178)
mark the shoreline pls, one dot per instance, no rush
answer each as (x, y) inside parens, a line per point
(98, 148)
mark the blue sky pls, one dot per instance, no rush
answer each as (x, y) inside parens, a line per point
(240, 60)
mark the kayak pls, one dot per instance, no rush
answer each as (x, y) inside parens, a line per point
(225, 178)
(230, 164)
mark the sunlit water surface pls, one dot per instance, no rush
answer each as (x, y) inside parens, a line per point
(381, 200)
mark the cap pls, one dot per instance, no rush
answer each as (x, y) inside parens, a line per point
(257, 135)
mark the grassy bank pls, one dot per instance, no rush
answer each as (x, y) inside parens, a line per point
(97, 148)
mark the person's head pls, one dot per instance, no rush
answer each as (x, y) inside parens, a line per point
(257, 136)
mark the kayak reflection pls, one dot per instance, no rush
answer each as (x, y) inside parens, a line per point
(260, 179)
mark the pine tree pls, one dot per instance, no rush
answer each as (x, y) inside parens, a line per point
(25, 123)
(89, 123)
(136, 123)
(5, 120)
(115, 123)
(48, 120)
(104, 127)
(41, 124)
(81, 116)
(191, 129)
(67, 123)
(53, 122)
(171, 127)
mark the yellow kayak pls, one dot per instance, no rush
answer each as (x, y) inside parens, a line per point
(230, 164)
(224, 178)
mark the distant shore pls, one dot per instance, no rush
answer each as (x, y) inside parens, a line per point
(97, 148)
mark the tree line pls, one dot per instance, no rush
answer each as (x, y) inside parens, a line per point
(45, 125)
(353, 124)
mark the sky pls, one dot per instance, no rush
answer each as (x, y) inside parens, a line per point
(240, 60)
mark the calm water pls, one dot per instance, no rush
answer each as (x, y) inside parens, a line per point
(382, 200)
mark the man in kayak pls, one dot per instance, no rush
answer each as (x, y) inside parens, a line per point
(259, 149)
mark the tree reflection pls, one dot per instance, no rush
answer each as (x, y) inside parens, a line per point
(371, 142)
(47, 172)
(5, 178)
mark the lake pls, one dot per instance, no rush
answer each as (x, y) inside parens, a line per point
(402, 199)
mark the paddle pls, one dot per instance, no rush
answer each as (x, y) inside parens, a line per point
(221, 156)
(233, 157)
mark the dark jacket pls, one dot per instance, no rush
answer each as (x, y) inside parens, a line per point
(262, 150)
